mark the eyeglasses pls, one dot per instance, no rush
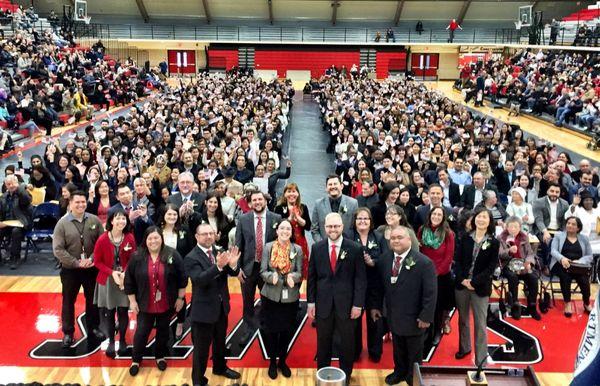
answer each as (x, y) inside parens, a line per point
(390, 214)
(333, 226)
(363, 219)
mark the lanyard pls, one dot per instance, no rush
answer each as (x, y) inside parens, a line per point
(80, 228)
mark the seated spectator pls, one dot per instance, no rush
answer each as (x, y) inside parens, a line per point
(15, 207)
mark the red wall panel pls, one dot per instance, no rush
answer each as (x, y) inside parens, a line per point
(222, 58)
(315, 61)
(182, 61)
(389, 61)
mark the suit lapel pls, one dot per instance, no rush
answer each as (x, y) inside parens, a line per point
(327, 207)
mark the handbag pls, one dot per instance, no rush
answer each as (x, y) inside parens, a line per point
(579, 269)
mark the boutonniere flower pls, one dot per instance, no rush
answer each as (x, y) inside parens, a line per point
(293, 255)
(343, 209)
(181, 234)
(485, 245)
(450, 218)
(93, 226)
(372, 244)
(410, 262)
(342, 255)
(127, 247)
(285, 210)
(274, 226)
(170, 260)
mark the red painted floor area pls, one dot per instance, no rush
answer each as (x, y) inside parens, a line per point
(30, 318)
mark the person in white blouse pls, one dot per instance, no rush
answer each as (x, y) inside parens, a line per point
(521, 209)
(584, 207)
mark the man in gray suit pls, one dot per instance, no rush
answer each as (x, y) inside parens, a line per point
(253, 231)
(334, 202)
(549, 213)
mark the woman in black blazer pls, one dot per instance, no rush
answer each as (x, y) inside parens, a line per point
(475, 261)
(388, 196)
(155, 283)
(177, 236)
(213, 214)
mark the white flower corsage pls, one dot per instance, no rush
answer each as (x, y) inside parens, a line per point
(342, 255)
(410, 262)
(450, 217)
(343, 209)
(93, 226)
(485, 245)
(127, 247)
(274, 226)
(293, 255)
(170, 260)
(285, 210)
(181, 234)
(372, 244)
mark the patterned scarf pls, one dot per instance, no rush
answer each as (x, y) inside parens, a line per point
(431, 238)
(280, 257)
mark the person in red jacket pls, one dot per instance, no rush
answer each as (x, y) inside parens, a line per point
(453, 26)
(112, 252)
(437, 243)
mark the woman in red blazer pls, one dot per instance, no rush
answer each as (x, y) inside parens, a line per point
(112, 252)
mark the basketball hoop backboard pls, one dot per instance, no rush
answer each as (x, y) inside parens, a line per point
(80, 13)
(525, 16)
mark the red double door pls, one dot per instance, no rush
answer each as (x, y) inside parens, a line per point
(182, 61)
(425, 65)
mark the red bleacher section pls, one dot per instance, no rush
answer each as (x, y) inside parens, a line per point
(314, 59)
(583, 15)
(6, 4)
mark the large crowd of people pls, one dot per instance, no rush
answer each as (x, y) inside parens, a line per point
(183, 187)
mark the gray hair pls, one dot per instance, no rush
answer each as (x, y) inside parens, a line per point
(513, 219)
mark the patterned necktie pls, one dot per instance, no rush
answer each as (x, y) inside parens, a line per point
(210, 256)
(396, 265)
(259, 238)
(333, 257)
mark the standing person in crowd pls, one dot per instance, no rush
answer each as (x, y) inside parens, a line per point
(585, 208)
(176, 236)
(15, 205)
(112, 253)
(335, 202)
(387, 197)
(549, 214)
(213, 214)
(253, 231)
(394, 216)
(290, 206)
(101, 201)
(373, 245)
(208, 270)
(569, 247)
(281, 272)
(407, 287)
(155, 283)
(515, 247)
(189, 203)
(475, 262)
(137, 213)
(75, 236)
(437, 242)
(452, 27)
(336, 292)
(436, 196)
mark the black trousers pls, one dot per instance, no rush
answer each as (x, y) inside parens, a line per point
(72, 280)
(375, 333)
(145, 324)
(203, 335)
(566, 279)
(531, 281)
(345, 327)
(123, 315)
(15, 237)
(277, 343)
(407, 351)
(253, 281)
(444, 303)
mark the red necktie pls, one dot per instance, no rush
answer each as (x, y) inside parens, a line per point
(333, 258)
(210, 256)
(396, 266)
(259, 239)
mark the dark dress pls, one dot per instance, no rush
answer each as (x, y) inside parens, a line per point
(298, 232)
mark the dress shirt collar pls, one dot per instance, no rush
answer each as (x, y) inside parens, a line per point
(70, 216)
(402, 255)
(337, 243)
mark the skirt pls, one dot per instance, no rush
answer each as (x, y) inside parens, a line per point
(110, 296)
(278, 317)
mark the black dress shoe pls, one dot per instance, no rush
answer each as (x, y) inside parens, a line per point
(285, 370)
(272, 370)
(122, 351)
(461, 355)
(375, 358)
(436, 338)
(67, 341)
(393, 379)
(533, 313)
(99, 335)
(203, 382)
(110, 350)
(134, 369)
(515, 311)
(161, 364)
(228, 373)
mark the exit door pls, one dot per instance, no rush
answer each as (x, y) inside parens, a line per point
(182, 61)
(425, 65)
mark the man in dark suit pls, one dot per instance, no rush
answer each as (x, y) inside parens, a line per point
(253, 231)
(186, 199)
(451, 190)
(473, 194)
(187, 164)
(409, 285)
(208, 271)
(137, 212)
(336, 292)
(506, 177)
(15, 204)
(368, 198)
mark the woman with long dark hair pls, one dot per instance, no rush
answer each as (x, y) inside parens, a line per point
(437, 243)
(388, 196)
(155, 283)
(101, 201)
(213, 214)
(112, 253)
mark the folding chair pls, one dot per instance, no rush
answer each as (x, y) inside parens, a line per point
(45, 216)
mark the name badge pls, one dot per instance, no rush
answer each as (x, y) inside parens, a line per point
(158, 296)
(284, 294)
(394, 279)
